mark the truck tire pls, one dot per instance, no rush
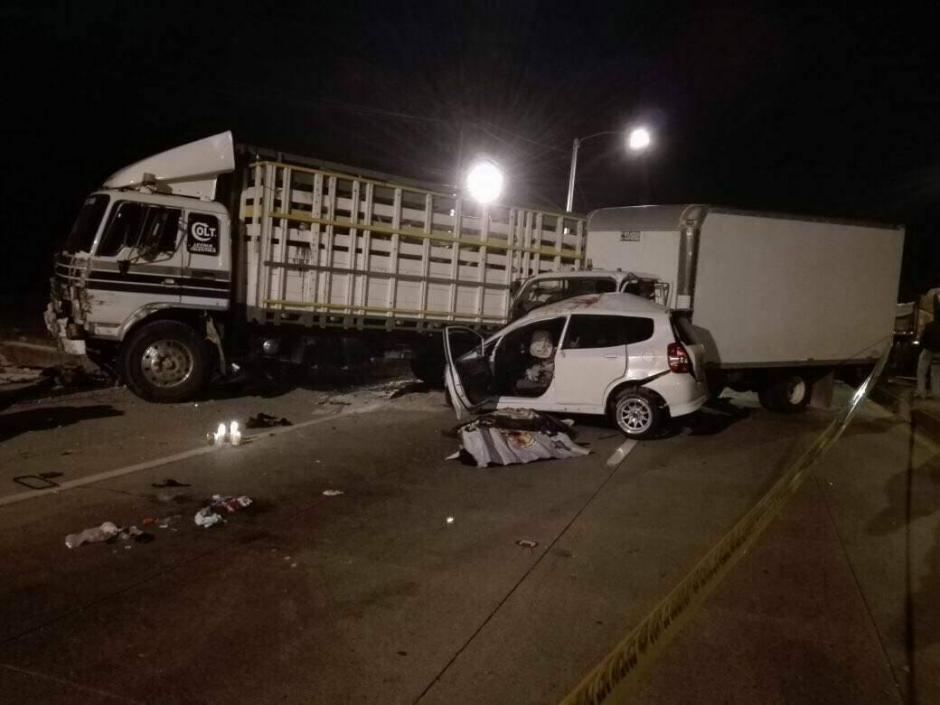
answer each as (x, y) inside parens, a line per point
(427, 364)
(638, 413)
(165, 361)
(789, 394)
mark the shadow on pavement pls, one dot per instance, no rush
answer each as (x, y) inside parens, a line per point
(14, 423)
(715, 417)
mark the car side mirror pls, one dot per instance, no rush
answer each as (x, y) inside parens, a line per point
(124, 265)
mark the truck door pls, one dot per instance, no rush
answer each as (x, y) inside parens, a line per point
(205, 256)
(136, 262)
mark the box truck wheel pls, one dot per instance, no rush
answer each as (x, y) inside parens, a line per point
(165, 361)
(788, 394)
(638, 413)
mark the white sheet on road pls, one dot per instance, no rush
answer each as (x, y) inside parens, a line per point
(512, 436)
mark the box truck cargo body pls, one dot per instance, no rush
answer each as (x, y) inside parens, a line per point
(778, 301)
(204, 254)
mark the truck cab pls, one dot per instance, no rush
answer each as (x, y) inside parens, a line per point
(151, 246)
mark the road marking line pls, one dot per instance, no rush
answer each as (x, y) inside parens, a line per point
(195, 452)
(619, 455)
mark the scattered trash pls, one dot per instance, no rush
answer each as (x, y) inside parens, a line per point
(39, 481)
(132, 532)
(67, 452)
(332, 493)
(510, 436)
(207, 517)
(449, 520)
(170, 482)
(527, 543)
(262, 420)
(401, 387)
(147, 521)
(96, 534)
(210, 516)
(165, 522)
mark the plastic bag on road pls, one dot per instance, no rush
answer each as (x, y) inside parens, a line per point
(95, 534)
(210, 514)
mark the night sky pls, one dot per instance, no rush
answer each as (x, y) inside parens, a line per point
(830, 111)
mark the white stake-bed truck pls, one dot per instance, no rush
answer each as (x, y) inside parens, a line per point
(190, 259)
(780, 302)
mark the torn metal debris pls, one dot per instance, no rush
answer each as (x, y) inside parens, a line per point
(511, 436)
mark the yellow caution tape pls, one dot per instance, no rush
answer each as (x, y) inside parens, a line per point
(637, 650)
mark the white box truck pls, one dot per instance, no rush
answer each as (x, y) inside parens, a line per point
(780, 302)
(205, 254)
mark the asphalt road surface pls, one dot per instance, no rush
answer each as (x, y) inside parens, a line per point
(412, 586)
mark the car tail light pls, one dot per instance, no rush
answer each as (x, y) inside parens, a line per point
(678, 358)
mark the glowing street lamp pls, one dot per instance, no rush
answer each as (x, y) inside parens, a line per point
(485, 181)
(639, 139)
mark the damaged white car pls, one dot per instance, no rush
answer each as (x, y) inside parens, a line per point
(614, 354)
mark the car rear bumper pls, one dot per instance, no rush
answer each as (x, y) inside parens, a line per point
(682, 393)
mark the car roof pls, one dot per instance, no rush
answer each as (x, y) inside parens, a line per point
(612, 303)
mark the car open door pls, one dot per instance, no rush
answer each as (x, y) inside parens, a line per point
(468, 376)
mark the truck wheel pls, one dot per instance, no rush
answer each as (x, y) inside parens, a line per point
(165, 361)
(638, 413)
(427, 364)
(787, 395)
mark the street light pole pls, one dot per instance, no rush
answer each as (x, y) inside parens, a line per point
(638, 141)
(569, 202)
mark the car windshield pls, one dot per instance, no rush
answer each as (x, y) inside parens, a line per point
(82, 235)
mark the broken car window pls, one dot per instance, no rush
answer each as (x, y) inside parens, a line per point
(606, 331)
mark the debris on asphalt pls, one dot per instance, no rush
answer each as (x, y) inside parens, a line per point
(262, 420)
(132, 532)
(210, 514)
(332, 493)
(401, 387)
(167, 521)
(511, 436)
(169, 482)
(207, 517)
(39, 481)
(96, 534)
(527, 543)
(449, 520)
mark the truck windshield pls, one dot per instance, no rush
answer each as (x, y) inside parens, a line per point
(83, 232)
